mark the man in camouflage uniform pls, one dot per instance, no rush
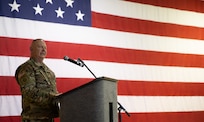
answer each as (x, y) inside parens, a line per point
(38, 86)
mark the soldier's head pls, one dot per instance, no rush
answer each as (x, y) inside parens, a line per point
(38, 50)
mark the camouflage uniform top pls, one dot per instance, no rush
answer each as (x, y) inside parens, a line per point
(38, 86)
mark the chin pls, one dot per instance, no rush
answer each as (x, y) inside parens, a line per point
(42, 57)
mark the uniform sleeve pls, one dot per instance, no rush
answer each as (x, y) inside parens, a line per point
(26, 80)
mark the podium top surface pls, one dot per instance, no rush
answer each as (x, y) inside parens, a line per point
(89, 83)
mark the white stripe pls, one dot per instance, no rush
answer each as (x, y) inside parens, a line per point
(118, 71)
(11, 105)
(94, 36)
(162, 103)
(148, 12)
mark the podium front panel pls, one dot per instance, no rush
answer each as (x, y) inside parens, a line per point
(92, 102)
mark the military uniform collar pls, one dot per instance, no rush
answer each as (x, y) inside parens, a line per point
(37, 64)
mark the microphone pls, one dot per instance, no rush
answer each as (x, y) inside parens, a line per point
(66, 58)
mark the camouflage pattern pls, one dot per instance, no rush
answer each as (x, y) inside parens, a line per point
(38, 88)
(39, 120)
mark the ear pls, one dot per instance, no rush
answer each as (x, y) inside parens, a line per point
(31, 48)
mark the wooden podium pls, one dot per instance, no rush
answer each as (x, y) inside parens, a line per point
(95, 101)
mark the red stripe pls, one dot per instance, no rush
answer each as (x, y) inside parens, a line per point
(148, 88)
(105, 21)
(9, 86)
(17, 119)
(101, 53)
(195, 116)
(137, 88)
(14, 46)
(10, 118)
(67, 84)
(189, 5)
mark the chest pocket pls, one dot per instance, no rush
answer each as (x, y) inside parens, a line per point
(42, 79)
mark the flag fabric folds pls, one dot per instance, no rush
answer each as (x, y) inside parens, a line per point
(154, 48)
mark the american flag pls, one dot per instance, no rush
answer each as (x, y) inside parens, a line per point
(154, 48)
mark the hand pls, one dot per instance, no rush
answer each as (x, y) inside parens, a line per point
(57, 94)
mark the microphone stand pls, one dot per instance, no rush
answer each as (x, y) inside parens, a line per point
(120, 106)
(119, 109)
(86, 66)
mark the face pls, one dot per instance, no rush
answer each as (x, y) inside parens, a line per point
(38, 49)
